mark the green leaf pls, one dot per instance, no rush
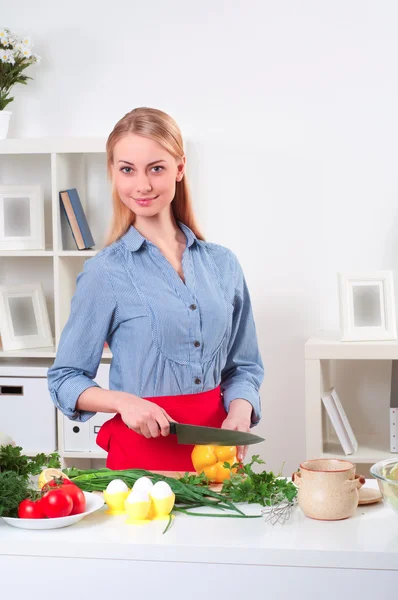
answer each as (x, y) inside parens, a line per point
(12, 459)
(263, 488)
(13, 489)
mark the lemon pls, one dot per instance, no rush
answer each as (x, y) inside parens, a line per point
(47, 475)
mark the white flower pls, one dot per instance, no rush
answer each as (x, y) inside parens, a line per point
(26, 52)
(12, 38)
(19, 47)
(27, 41)
(37, 58)
(7, 56)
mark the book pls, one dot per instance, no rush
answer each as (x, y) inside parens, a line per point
(340, 422)
(345, 420)
(76, 218)
(393, 429)
(394, 407)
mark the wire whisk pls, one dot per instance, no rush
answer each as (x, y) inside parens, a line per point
(279, 510)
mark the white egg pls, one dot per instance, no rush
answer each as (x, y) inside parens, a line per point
(137, 496)
(143, 484)
(161, 490)
(116, 486)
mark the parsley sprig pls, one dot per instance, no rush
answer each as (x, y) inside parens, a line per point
(16, 470)
(12, 459)
(263, 488)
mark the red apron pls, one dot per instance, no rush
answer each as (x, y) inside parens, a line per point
(129, 450)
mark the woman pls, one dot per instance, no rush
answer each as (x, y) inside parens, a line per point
(174, 309)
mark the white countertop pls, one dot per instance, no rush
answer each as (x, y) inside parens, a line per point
(369, 540)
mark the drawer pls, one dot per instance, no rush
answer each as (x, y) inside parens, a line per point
(81, 437)
(27, 413)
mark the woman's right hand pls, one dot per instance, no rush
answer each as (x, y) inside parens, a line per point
(143, 416)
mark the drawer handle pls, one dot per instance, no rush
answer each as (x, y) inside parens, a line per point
(76, 429)
(11, 390)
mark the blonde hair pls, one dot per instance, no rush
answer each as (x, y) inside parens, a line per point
(160, 127)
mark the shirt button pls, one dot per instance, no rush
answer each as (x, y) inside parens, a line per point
(193, 307)
(196, 344)
(197, 380)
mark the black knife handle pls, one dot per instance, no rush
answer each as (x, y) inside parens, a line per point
(173, 428)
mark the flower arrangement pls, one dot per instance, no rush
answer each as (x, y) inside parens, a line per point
(15, 56)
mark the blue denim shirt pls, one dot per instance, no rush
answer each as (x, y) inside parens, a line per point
(167, 337)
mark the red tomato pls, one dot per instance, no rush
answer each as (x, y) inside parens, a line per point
(56, 503)
(29, 509)
(78, 498)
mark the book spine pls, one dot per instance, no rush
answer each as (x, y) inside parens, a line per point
(393, 429)
(337, 423)
(345, 420)
(394, 385)
(74, 225)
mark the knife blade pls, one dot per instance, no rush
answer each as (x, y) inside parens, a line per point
(195, 434)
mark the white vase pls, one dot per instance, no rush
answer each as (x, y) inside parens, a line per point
(5, 116)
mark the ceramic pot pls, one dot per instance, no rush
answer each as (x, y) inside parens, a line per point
(5, 116)
(328, 488)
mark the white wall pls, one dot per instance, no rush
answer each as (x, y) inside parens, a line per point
(290, 114)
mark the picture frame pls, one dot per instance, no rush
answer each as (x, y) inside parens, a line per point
(367, 306)
(22, 217)
(24, 321)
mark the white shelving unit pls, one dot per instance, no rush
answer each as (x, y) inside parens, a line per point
(56, 164)
(321, 358)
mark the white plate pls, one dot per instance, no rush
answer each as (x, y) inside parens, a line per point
(93, 503)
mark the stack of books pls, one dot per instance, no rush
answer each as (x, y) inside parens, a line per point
(340, 422)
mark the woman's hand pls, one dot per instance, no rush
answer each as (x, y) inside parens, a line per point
(143, 416)
(239, 419)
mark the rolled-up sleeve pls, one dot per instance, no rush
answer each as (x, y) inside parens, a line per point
(243, 372)
(92, 318)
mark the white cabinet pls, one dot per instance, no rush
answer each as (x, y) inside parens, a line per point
(79, 437)
(56, 164)
(27, 413)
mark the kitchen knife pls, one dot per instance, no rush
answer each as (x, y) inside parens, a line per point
(194, 434)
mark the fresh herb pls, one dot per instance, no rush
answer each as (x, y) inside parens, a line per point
(263, 488)
(12, 459)
(192, 479)
(13, 489)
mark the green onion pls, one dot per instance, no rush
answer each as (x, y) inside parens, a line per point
(187, 495)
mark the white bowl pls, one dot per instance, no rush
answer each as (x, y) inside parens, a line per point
(93, 503)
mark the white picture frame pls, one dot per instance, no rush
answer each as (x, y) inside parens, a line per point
(367, 306)
(24, 321)
(22, 217)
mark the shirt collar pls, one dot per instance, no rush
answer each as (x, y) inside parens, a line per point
(134, 240)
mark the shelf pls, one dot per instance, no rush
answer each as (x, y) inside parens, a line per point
(78, 253)
(52, 145)
(39, 353)
(83, 455)
(47, 253)
(32, 453)
(28, 353)
(331, 348)
(367, 453)
(24, 253)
